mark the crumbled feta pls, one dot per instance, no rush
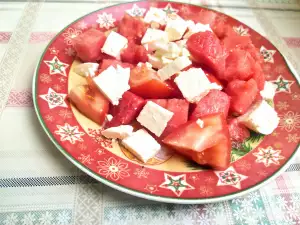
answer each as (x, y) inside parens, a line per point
(155, 61)
(174, 67)
(108, 117)
(269, 91)
(193, 84)
(155, 15)
(215, 86)
(113, 83)
(195, 28)
(261, 118)
(119, 132)
(154, 117)
(200, 123)
(154, 35)
(114, 44)
(142, 145)
(86, 69)
(175, 29)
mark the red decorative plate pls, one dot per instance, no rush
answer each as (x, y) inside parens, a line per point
(167, 177)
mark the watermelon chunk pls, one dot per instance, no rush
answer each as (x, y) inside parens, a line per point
(259, 76)
(161, 102)
(237, 131)
(243, 94)
(88, 45)
(134, 54)
(214, 102)
(127, 110)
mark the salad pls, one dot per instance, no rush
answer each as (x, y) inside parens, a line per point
(195, 86)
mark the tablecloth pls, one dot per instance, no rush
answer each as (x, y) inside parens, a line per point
(39, 186)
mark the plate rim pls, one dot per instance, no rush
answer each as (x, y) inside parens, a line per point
(137, 193)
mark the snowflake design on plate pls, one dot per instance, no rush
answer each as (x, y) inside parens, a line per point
(169, 9)
(113, 168)
(65, 113)
(267, 54)
(282, 105)
(11, 219)
(293, 138)
(53, 51)
(295, 96)
(141, 173)
(194, 177)
(136, 11)
(176, 184)
(45, 78)
(243, 165)
(230, 177)
(289, 121)
(28, 219)
(100, 151)
(268, 156)
(267, 68)
(46, 218)
(86, 159)
(57, 87)
(205, 190)
(70, 34)
(82, 146)
(81, 25)
(70, 51)
(49, 118)
(69, 133)
(151, 188)
(241, 30)
(56, 66)
(282, 84)
(98, 138)
(105, 20)
(54, 99)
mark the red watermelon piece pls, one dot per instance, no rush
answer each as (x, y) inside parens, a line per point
(88, 45)
(134, 54)
(214, 102)
(259, 76)
(242, 93)
(127, 110)
(237, 131)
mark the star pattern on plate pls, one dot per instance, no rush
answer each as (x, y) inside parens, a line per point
(230, 177)
(69, 133)
(177, 184)
(169, 10)
(136, 11)
(267, 54)
(56, 66)
(282, 84)
(54, 99)
(268, 156)
(53, 51)
(241, 30)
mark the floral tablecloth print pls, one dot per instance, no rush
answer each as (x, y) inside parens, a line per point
(39, 186)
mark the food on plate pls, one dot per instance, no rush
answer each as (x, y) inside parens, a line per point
(188, 82)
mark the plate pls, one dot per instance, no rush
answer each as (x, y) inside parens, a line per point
(167, 177)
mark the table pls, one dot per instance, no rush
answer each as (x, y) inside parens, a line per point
(39, 186)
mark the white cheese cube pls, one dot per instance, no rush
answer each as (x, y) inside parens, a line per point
(185, 52)
(119, 132)
(114, 44)
(181, 43)
(154, 35)
(200, 123)
(113, 83)
(154, 117)
(155, 61)
(199, 27)
(215, 86)
(148, 65)
(174, 67)
(155, 15)
(261, 118)
(269, 91)
(86, 69)
(172, 53)
(159, 45)
(142, 145)
(165, 60)
(193, 84)
(175, 29)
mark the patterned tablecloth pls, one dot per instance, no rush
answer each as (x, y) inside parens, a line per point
(39, 186)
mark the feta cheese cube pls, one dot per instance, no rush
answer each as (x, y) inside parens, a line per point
(114, 44)
(269, 91)
(200, 123)
(148, 65)
(185, 52)
(172, 52)
(86, 69)
(193, 84)
(119, 132)
(215, 86)
(159, 45)
(175, 29)
(199, 27)
(165, 60)
(154, 117)
(154, 35)
(113, 83)
(261, 118)
(155, 15)
(142, 145)
(174, 67)
(155, 61)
